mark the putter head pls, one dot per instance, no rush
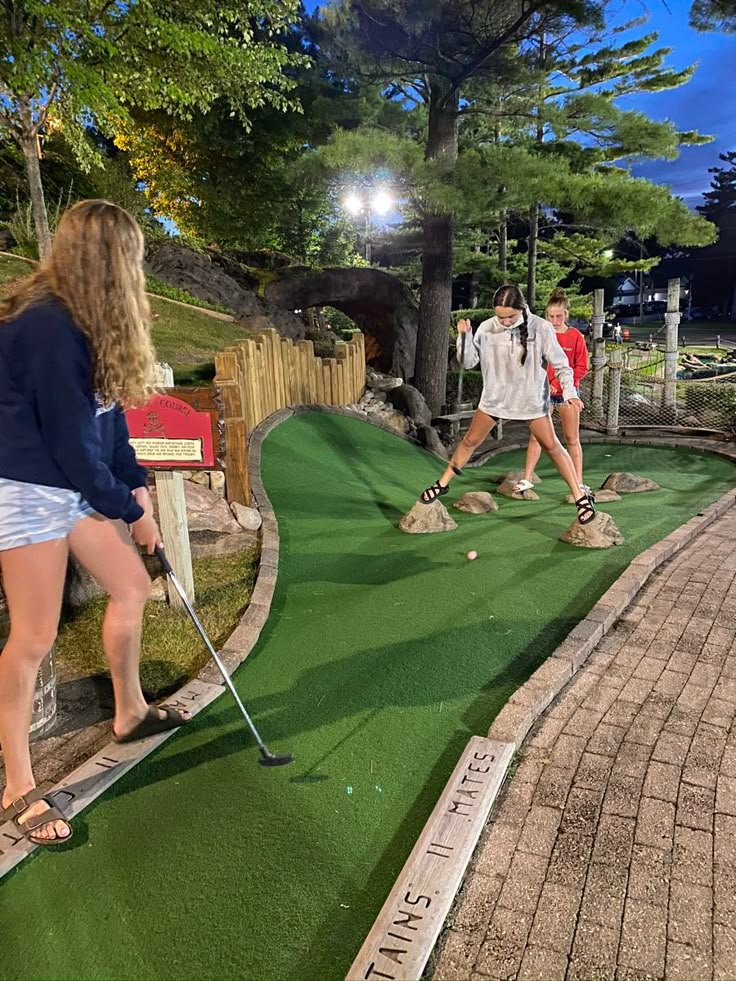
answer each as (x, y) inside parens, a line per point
(271, 760)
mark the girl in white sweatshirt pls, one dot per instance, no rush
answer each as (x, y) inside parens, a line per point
(514, 349)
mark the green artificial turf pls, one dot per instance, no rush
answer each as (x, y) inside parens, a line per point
(383, 653)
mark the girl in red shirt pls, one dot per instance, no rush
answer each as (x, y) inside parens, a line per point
(573, 344)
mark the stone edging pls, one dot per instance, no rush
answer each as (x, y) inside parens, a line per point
(94, 776)
(528, 702)
(525, 706)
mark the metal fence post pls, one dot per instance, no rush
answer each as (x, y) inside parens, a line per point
(672, 320)
(599, 354)
(615, 367)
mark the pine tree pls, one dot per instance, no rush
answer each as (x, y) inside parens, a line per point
(714, 15)
(433, 53)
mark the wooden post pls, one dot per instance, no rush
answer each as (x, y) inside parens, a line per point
(228, 379)
(334, 388)
(172, 516)
(287, 357)
(672, 320)
(599, 354)
(327, 381)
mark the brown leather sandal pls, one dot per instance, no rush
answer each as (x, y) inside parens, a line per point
(35, 822)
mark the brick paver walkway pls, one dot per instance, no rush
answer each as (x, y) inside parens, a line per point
(612, 852)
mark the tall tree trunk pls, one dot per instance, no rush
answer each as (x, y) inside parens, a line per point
(503, 246)
(29, 145)
(531, 276)
(435, 305)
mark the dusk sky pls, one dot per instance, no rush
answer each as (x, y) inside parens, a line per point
(706, 104)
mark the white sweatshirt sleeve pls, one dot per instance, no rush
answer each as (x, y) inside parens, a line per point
(554, 355)
(472, 350)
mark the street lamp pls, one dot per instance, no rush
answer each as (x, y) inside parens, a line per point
(372, 201)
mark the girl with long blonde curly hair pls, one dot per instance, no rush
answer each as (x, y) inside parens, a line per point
(75, 350)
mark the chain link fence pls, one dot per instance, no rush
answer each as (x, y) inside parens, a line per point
(646, 400)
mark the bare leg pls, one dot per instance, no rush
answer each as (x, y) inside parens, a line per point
(545, 433)
(479, 429)
(108, 553)
(570, 418)
(533, 453)
(33, 579)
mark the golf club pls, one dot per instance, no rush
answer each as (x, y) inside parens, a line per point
(267, 758)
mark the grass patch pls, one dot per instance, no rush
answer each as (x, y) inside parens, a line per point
(160, 288)
(187, 339)
(12, 269)
(382, 654)
(172, 650)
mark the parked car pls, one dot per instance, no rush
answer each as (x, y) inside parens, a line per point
(586, 327)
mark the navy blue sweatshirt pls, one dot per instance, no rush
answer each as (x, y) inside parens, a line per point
(51, 431)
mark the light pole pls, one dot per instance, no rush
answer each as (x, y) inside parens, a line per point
(369, 202)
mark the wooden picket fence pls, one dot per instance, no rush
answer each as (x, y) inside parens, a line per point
(257, 377)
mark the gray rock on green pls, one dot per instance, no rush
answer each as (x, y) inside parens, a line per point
(628, 483)
(476, 502)
(427, 519)
(601, 532)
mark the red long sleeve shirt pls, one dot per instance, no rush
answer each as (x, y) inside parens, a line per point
(572, 343)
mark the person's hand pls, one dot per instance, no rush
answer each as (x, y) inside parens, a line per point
(463, 326)
(576, 404)
(145, 533)
(142, 497)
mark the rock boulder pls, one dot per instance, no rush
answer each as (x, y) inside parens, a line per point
(476, 502)
(601, 532)
(427, 519)
(628, 483)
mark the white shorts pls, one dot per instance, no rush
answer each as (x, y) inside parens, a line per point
(32, 513)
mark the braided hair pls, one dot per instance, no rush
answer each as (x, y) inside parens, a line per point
(510, 295)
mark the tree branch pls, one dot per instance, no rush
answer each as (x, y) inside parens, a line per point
(486, 53)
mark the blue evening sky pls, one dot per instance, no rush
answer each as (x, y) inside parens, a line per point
(705, 104)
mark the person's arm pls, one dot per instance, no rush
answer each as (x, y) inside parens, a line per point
(61, 371)
(555, 356)
(579, 360)
(124, 464)
(472, 349)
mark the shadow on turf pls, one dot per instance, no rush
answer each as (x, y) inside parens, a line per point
(426, 672)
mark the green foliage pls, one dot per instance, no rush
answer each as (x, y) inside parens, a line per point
(323, 341)
(476, 316)
(64, 64)
(160, 288)
(713, 15)
(472, 386)
(720, 401)
(114, 180)
(21, 226)
(720, 200)
(66, 61)
(339, 323)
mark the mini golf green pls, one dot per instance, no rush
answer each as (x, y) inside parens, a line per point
(383, 653)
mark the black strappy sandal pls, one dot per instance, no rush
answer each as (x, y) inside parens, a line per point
(588, 492)
(586, 509)
(36, 822)
(433, 493)
(153, 723)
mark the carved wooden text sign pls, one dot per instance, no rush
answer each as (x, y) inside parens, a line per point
(402, 938)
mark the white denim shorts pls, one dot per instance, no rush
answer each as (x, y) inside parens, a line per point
(32, 513)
